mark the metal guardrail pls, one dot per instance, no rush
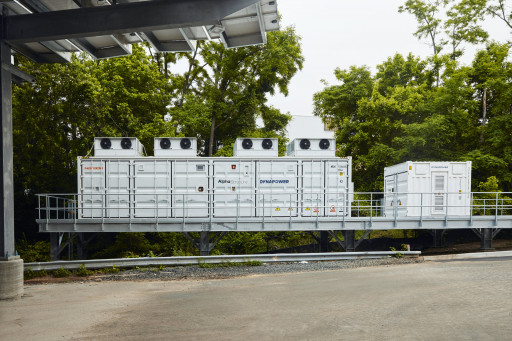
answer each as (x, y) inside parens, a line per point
(195, 260)
(302, 211)
(298, 204)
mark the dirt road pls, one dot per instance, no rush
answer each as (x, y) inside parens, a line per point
(457, 300)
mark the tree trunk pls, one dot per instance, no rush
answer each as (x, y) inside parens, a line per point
(484, 115)
(212, 136)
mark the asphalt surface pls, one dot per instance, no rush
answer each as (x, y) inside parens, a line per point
(455, 300)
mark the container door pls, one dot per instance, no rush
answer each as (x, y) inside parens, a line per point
(234, 188)
(152, 188)
(336, 188)
(119, 185)
(191, 188)
(277, 188)
(389, 195)
(439, 189)
(92, 188)
(312, 188)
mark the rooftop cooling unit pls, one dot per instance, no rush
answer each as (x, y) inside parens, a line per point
(311, 147)
(255, 147)
(176, 146)
(117, 146)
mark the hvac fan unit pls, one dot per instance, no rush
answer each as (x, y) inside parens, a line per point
(311, 147)
(255, 147)
(117, 146)
(176, 146)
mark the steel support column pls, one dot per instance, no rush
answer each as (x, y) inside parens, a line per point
(324, 241)
(350, 240)
(11, 266)
(204, 243)
(54, 247)
(437, 236)
(6, 176)
(486, 236)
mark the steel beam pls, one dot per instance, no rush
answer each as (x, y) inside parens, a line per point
(141, 16)
(268, 224)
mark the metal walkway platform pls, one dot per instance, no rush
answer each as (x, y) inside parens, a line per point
(61, 212)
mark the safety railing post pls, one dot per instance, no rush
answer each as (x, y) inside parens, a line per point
(256, 204)
(421, 209)
(290, 212)
(446, 211)
(371, 209)
(183, 210)
(237, 209)
(496, 211)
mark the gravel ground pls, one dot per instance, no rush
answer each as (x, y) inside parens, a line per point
(218, 272)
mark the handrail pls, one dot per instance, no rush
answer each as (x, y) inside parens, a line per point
(58, 206)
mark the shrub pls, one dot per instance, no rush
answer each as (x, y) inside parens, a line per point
(61, 273)
(29, 273)
(82, 271)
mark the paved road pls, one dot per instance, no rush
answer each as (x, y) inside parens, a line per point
(459, 300)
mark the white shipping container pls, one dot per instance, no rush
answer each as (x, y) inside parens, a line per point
(119, 181)
(148, 187)
(277, 185)
(91, 183)
(427, 189)
(152, 188)
(313, 188)
(338, 187)
(233, 188)
(191, 188)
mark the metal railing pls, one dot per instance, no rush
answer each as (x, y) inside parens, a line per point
(304, 205)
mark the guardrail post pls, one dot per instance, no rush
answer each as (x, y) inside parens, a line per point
(496, 212)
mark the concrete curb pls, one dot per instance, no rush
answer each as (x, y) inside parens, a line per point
(476, 255)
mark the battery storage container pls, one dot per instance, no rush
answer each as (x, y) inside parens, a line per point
(179, 186)
(427, 189)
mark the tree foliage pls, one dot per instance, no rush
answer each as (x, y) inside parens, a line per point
(399, 115)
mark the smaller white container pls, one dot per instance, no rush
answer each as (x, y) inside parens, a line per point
(427, 189)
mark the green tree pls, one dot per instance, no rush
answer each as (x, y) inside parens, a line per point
(462, 25)
(226, 89)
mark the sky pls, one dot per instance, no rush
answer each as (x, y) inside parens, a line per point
(341, 33)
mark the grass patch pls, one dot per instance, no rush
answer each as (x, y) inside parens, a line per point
(113, 270)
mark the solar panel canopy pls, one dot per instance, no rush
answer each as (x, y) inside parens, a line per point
(49, 31)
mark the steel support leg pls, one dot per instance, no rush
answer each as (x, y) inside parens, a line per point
(54, 246)
(350, 240)
(80, 246)
(486, 237)
(438, 238)
(324, 241)
(204, 243)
